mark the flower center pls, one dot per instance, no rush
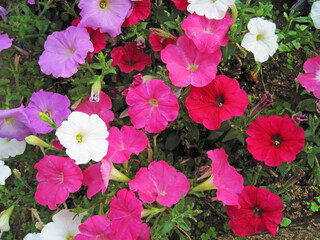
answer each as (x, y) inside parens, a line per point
(277, 140)
(214, 1)
(259, 37)
(103, 4)
(130, 63)
(79, 138)
(46, 112)
(154, 102)
(192, 68)
(69, 237)
(220, 101)
(8, 120)
(257, 211)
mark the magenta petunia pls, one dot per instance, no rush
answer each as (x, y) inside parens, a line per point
(152, 105)
(5, 41)
(141, 11)
(14, 123)
(64, 51)
(160, 181)
(274, 139)
(181, 4)
(207, 34)
(311, 79)
(125, 142)
(221, 100)
(101, 108)
(31, 2)
(259, 210)
(159, 42)
(108, 15)
(54, 105)
(187, 65)
(225, 178)
(57, 177)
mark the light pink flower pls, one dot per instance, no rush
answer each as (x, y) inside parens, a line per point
(160, 181)
(5, 41)
(152, 105)
(64, 51)
(207, 34)
(187, 65)
(57, 177)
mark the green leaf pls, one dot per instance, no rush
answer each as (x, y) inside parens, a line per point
(285, 222)
(172, 141)
(167, 227)
(314, 207)
(4, 81)
(232, 134)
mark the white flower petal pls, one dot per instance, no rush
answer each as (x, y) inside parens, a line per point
(11, 147)
(315, 14)
(5, 172)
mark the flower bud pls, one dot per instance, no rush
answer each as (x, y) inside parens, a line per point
(4, 220)
(299, 117)
(34, 140)
(265, 102)
(318, 106)
(141, 42)
(44, 117)
(95, 91)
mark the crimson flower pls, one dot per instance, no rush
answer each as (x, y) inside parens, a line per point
(140, 11)
(130, 57)
(259, 210)
(219, 101)
(181, 4)
(159, 42)
(275, 139)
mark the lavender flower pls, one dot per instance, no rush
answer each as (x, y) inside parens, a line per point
(3, 13)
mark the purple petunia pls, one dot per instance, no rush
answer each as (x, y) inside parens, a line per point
(5, 41)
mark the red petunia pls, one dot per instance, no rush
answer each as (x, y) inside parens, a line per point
(140, 11)
(181, 4)
(275, 139)
(160, 42)
(130, 57)
(259, 210)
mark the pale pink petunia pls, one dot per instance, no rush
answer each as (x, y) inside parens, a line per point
(225, 178)
(311, 79)
(125, 142)
(5, 41)
(160, 181)
(152, 105)
(207, 34)
(108, 15)
(64, 51)
(57, 177)
(187, 65)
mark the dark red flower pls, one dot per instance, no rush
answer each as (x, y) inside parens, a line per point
(259, 210)
(140, 11)
(130, 57)
(181, 4)
(159, 42)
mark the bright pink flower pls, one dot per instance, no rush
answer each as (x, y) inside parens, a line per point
(140, 11)
(225, 177)
(64, 51)
(274, 140)
(125, 142)
(101, 108)
(187, 65)
(108, 15)
(221, 100)
(57, 177)
(159, 42)
(5, 41)
(311, 79)
(160, 181)
(130, 57)
(152, 105)
(259, 210)
(138, 79)
(181, 4)
(207, 34)
(31, 1)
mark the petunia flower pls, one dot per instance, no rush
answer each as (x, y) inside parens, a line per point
(160, 181)
(33, 236)
(84, 137)
(274, 140)
(14, 123)
(159, 39)
(101, 108)
(259, 210)
(220, 100)
(64, 51)
(54, 105)
(130, 57)
(152, 105)
(31, 2)
(311, 79)
(207, 34)
(261, 39)
(125, 142)
(210, 9)
(141, 11)
(108, 15)
(138, 79)
(181, 4)
(5, 172)
(187, 65)
(57, 177)
(11, 147)
(64, 226)
(315, 14)
(5, 41)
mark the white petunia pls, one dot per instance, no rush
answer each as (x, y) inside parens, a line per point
(211, 9)
(261, 39)
(64, 226)
(5, 172)
(84, 137)
(315, 14)
(33, 236)
(11, 147)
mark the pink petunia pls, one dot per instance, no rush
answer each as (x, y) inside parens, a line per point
(64, 51)
(181, 4)
(57, 177)
(160, 181)
(125, 142)
(274, 139)
(311, 79)
(221, 100)
(225, 178)
(207, 34)
(259, 210)
(187, 65)
(31, 2)
(159, 42)
(108, 15)
(101, 108)
(140, 11)
(130, 57)
(152, 105)
(5, 41)
(138, 79)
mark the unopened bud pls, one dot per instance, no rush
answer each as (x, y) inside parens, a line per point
(95, 91)
(34, 140)
(299, 117)
(265, 102)
(318, 106)
(44, 117)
